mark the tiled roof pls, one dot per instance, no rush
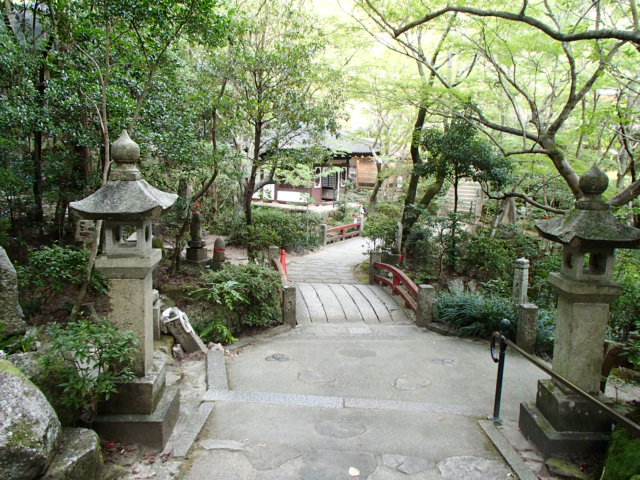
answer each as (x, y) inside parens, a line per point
(340, 143)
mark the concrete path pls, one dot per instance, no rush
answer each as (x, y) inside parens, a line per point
(343, 401)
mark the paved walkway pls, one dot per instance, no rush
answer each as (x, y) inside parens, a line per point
(343, 401)
(349, 396)
(329, 292)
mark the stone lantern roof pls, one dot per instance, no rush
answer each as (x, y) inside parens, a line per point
(590, 224)
(125, 196)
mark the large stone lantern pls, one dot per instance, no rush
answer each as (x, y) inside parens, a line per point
(560, 421)
(127, 205)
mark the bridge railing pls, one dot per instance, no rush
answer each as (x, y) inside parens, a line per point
(339, 233)
(419, 298)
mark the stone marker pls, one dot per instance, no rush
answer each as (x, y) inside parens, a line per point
(219, 247)
(426, 299)
(178, 324)
(196, 251)
(10, 311)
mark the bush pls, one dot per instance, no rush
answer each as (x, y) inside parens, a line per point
(625, 310)
(247, 295)
(91, 357)
(381, 225)
(215, 330)
(474, 315)
(50, 270)
(545, 331)
(272, 226)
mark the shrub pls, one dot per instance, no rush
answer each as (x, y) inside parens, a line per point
(52, 269)
(545, 331)
(625, 310)
(382, 224)
(472, 314)
(91, 357)
(215, 330)
(272, 226)
(248, 295)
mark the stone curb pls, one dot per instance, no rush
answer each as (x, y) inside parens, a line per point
(507, 451)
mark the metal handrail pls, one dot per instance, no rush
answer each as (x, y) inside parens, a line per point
(500, 357)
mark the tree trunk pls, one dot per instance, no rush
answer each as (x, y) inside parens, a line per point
(410, 213)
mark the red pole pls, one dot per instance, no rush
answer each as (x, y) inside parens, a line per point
(283, 260)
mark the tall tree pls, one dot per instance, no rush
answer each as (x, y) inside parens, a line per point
(280, 85)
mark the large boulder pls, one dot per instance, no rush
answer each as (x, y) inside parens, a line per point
(29, 427)
(11, 315)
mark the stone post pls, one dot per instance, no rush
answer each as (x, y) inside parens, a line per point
(157, 307)
(426, 299)
(527, 326)
(323, 234)
(374, 257)
(289, 305)
(520, 281)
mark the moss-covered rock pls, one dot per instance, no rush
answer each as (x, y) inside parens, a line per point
(29, 427)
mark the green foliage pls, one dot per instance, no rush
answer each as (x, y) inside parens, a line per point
(472, 314)
(50, 270)
(623, 457)
(17, 343)
(625, 310)
(545, 331)
(215, 330)
(381, 226)
(91, 357)
(247, 295)
(281, 228)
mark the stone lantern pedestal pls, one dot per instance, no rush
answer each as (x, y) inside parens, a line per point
(561, 421)
(144, 410)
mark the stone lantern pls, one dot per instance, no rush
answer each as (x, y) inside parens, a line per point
(127, 204)
(561, 421)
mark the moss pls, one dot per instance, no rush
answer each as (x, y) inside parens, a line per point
(6, 366)
(22, 435)
(623, 460)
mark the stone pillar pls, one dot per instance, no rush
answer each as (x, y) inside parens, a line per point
(131, 303)
(289, 305)
(374, 257)
(323, 234)
(583, 313)
(520, 281)
(426, 299)
(157, 307)
(527, 327)
(397, 244)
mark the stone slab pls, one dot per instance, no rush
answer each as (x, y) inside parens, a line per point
(349, 307)
(366, 310)
(507, 451)
(196, 422)
(334, 311)
(216, 371)
(312, 302)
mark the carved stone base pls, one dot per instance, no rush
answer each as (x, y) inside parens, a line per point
(197, 255)
(560, 423)
(152, 430)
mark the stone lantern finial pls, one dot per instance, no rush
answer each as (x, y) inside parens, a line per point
(126, 155)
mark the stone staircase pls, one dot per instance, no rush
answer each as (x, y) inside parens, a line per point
(470, 199)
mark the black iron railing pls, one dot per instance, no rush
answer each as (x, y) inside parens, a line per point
(499, 343)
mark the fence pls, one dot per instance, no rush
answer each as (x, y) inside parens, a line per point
(339, 233)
